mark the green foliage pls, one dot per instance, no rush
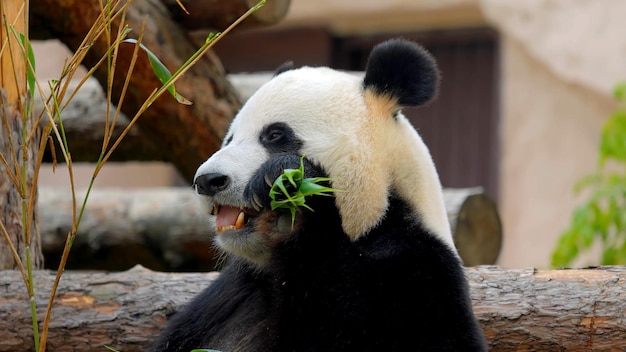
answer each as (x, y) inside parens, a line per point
(28, 49)
(162, 73)
(602, 218)
(291, 188)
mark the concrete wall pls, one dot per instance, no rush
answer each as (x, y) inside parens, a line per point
(561, 59)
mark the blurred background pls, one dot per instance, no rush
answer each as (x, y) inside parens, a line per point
(526, 87)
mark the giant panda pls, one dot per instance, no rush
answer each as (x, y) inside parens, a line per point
(372, 267)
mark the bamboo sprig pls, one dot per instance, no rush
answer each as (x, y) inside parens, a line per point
(290, 189)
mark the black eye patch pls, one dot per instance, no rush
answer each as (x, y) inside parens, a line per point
(280, 138)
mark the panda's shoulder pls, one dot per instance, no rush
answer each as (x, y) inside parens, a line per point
(403, 242)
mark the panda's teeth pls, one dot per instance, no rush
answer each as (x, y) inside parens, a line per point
(240, 220)
(221, 229)
(216, 209)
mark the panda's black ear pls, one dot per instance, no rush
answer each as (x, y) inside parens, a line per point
(403, 70)
(284, 67)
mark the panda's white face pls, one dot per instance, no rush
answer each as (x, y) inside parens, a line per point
(315, 112)
(353, 130)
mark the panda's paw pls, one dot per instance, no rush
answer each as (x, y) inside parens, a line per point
(257, 193)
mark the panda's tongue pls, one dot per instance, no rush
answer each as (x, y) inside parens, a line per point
(229, 218)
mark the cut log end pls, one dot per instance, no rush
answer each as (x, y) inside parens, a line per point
(478, 230)
(475, 224)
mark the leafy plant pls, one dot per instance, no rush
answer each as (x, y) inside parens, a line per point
(602, 218)
(290, 189)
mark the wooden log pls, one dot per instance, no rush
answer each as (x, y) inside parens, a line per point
(84, 125)
(475, 224)
(84, 118)
(204, 15)
(161, 228)
(218, 14)
(165, 228)
(191, 133)
(551, 310)
(518, 309)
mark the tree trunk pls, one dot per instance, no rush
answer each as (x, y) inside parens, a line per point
(17, 146)
(519, 310)
(187, 134)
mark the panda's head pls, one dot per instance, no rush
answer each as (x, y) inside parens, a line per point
(351, 126)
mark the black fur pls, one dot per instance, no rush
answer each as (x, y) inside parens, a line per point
(280, 138)
(283, 68)
(397, 288)
(403, 70)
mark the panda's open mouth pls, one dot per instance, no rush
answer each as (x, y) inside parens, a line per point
(231, 218)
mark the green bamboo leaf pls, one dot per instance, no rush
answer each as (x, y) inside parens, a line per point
(30, 75)
(311, 188)
(294, 176)
(162, 73)
(290, 189)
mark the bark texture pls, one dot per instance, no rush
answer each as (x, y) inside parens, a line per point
(519, 310)
(84, 120)
(219, 14)
(551, 310)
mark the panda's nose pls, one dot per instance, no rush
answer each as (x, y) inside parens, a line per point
(212, 183)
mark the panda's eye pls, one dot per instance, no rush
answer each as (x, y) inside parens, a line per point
(278, 137)
(273, 134)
